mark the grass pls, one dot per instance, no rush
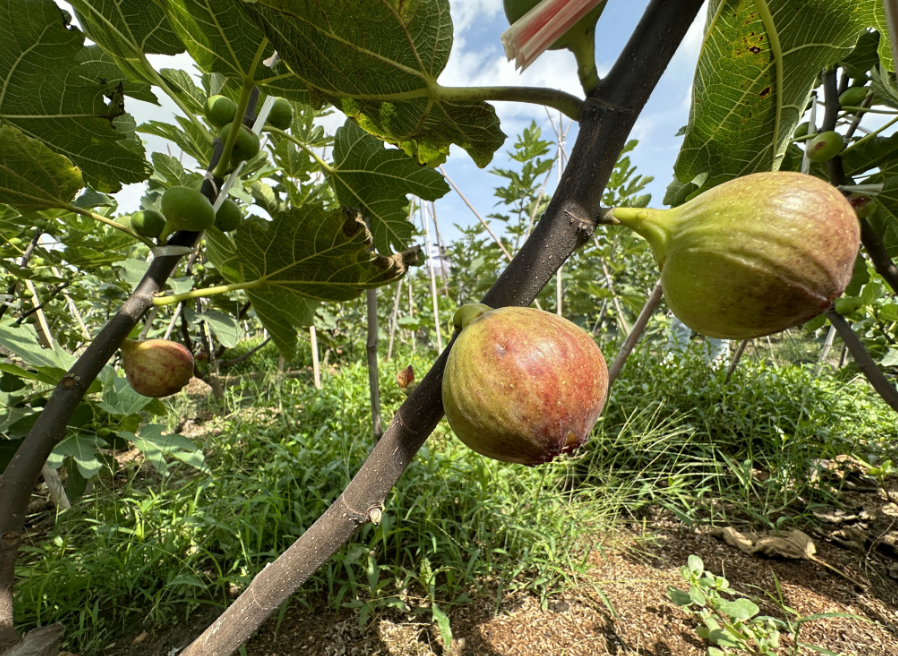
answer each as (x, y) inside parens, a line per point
(147, 547)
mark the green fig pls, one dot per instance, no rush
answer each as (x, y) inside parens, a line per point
(148, 223)
(245, 147)
(467, 313)
(848, 305)
(853, 96)
(801, 130)
(281, 114)
(186, 208)
(752, 256)
(523, 385)
(228, 217)
(825, 146)
(220, 111)
(156, 367)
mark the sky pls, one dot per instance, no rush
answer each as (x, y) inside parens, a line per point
(478, 59)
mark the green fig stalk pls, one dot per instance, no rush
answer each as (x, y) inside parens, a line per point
(752, 256)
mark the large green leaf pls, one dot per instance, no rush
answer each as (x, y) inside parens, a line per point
(378, 61)
(885, 219)
(221, 39)
(375, 180)
(304, 256)
(742, 114)
(33, 177)
(49, 95)
(128, 30)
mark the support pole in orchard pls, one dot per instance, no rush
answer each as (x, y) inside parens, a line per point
(440, 249)
(371, 349)
(629, 344)
(735, 361)
(433, 282)
(316, 367)
(606, 119)
(411, 313)
(827, 345)
(394, 317)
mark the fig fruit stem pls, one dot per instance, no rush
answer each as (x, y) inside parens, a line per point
(206, 291)
(565, 103)
(249, 84)
(868, 137)
(649, 224)
(858, 109)
(112, 224)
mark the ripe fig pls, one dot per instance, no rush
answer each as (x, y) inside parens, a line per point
(186, 209)
(523, 386)
(825, 146)
(220, 110)
(156, 367)
(246, 145)
(148, 223)
(228, 217)
(752, 256)
(281, 114)
(853, 96)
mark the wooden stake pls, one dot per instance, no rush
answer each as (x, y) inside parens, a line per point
(650, 305)
(316, 369)
(373, 381)
(394, 318)
(433, 282)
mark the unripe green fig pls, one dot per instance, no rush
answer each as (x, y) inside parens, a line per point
(103, 432)
(156, 367)
(523, 385)
(467, 313)
(848, 305)
(15, 241)
(825, 146)
(281, 114)
(31, 318)
(752, 256)
(801, 130)
(199, 268)
(186, 209)
(148, 223)
(246, 145)
(228, 217)
(853, 96)
(220, 110)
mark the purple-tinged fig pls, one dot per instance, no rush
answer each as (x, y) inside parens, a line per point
(156, 367)
(825, 146)
(523, 386)
(863, 205)
(752, 256)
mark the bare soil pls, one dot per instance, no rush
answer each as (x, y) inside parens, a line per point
(633, 578)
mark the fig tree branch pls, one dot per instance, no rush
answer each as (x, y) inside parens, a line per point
(881, 259)
(53, 293)
(884, 387)
(567, 104)
(608, 116)
(107, 221)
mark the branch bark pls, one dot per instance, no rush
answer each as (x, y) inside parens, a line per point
(607, 117)
(878, 380)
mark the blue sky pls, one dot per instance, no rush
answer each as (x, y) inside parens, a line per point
(478, 59)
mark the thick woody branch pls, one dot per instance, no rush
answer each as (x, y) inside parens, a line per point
(606, 120)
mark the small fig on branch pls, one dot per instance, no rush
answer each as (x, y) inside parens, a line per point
(853, 96)
(281, 114)
(752, 256)
(220, 110)
(801, 130)
(245, 147)
(863, 205)
(228, 217)
(148, 223)
(156, 367)
(825, 146)
(523, 386)
(186, 208)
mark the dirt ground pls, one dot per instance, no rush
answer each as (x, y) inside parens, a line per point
(633, 578)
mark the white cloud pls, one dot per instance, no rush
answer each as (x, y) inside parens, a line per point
(466, 13)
